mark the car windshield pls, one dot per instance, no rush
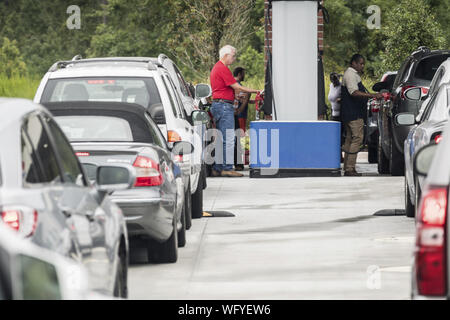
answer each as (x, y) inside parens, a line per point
(428, 67)
(440, 111)
(95, 128)
(141, 91)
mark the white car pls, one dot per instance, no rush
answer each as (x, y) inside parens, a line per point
(30, 272)
(190, 102)
(138, 80)
(441, 76)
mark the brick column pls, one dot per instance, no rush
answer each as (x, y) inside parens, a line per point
(268, 31)
(320, 30)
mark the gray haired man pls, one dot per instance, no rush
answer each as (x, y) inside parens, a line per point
(223, 85)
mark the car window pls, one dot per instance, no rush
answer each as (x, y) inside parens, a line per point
(87, 128)
(179, 105)
(156, 133)
(170, 94)
(42, 147)
(401, 73)
(430, 106)
(141, 91)
(31, 167)
(436, 80)
(439, 110)
(184, 86)
(427, 67)
(39, 279)
(69, 162)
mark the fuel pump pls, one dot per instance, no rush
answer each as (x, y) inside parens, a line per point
(294, 143)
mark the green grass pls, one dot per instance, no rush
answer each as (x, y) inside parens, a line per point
(19, 87)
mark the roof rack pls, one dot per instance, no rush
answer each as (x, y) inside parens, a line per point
(151, 63)
(421, 49)
(162, 57)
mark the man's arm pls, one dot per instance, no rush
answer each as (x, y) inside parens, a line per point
(360, 94)
(244, 103)
(236, 86)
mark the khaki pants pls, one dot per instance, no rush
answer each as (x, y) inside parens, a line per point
(354, 131)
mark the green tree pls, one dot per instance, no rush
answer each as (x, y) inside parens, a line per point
(11, 61)
(410, 25)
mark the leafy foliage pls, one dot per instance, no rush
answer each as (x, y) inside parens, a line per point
(410, 25)
(11, 61)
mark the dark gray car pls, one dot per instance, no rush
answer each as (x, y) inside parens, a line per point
(115, 132)
(416, 71)
(46, 197)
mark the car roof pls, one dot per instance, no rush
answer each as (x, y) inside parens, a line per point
(12, 109)
(109, 66)
(423, 52)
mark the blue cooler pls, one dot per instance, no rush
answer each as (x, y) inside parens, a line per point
(295, 149)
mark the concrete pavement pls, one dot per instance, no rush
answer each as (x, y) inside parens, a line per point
(291, 238)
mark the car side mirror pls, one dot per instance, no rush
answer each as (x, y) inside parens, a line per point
(423, 159)
(114, 178)
(200, 116)
(182, 147)
(157, 113)
(202, 91)
(414, 94)
(405, 119)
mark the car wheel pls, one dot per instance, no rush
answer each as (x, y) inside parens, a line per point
(396, 161)
(373, 157)
(383, 164)
(204, 176)
(182, 232)
(409, 207)
(197, 200)
(120, 285)
(188, 208)
(166, 252)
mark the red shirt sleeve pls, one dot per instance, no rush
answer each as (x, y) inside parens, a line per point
(228, 77)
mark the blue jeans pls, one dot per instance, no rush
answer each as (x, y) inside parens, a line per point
(223, 114)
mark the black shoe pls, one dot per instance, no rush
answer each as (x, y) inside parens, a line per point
(352, 173)
(239, 168)
(215, 173)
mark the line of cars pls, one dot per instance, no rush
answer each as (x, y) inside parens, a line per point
(115, 158)
(414, 141)
(415, 74)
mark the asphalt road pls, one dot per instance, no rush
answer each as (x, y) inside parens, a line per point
(292, 238)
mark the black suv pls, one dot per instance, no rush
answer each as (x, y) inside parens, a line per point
(416, 71)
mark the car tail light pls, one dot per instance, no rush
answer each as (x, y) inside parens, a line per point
(402, 94)
(148, 172)
(430, 254)
(425, 91)
(21, 219)
(82, 154)
(178, 158)
(437, 138)
(173, 136)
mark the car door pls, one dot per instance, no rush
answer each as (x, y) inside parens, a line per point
(42, 189)
(191, 135)
(79, 200)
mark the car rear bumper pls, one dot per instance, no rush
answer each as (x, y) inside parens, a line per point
(147, 213)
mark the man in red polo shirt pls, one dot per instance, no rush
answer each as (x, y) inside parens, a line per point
(223, 85)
